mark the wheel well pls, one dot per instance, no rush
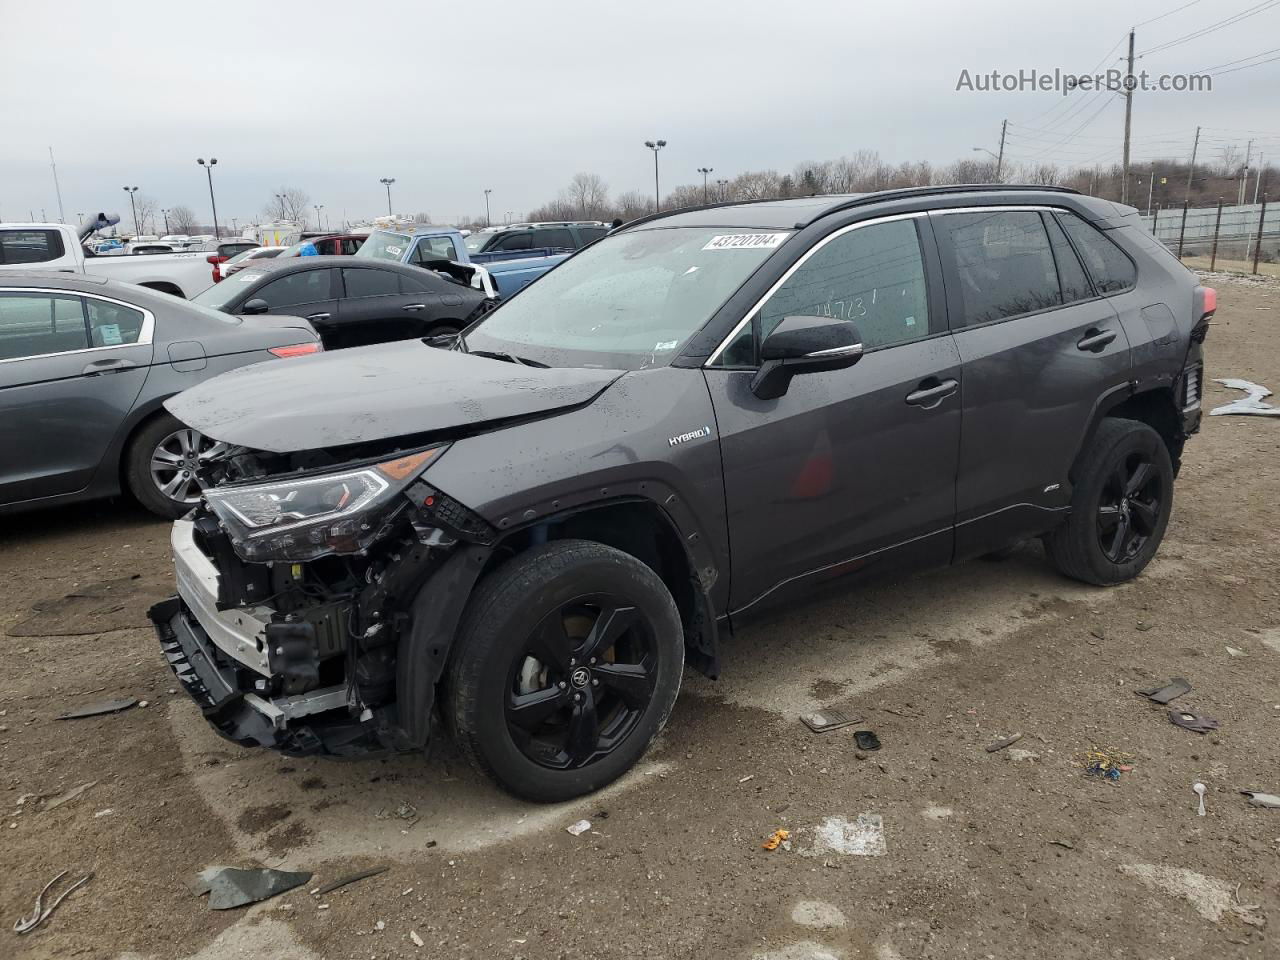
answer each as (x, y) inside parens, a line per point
(164, 287)
(122, 462)
(1157, 409)
(643, 530)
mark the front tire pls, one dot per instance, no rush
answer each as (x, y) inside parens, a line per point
(566, 666)
(1120, 507)
(160, 466)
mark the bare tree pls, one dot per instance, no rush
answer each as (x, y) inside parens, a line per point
(288, 203)
(181, 219)
(1229, 159)
(422, 217)
(588, 195)
(633, 204)
(146, 207)
(688, 195)
(754, 185)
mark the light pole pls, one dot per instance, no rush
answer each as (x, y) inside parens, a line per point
(208, 169)
(165, 213)
(387, 182)
(704, 171)
(131, 191)
(724, 189)
(488, 221)
(998, 159)
(319, 207)
(280, 198)
(655, 146)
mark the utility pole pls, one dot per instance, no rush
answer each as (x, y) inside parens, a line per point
(1195, 144)
(1244, 176)
(705, 171)
(1151, 186)
(1257, 181)
(1004, 127)
(488, 220)
(62, 217)
(1129, 84)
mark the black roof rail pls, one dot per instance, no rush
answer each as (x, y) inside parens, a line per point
(902, 193)
(907, 193)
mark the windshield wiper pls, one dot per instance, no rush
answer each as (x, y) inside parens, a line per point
(509, 358)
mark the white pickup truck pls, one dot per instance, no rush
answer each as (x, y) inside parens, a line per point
(56, 246)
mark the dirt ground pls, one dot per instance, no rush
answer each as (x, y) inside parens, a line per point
(1010, 854)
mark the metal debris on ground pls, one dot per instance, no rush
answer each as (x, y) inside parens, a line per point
(55, 802)
(40, 913)
(866, 740)
(1249, 405)
(579, 828)
(1195, 722)
(1200, 790)
(829, 718)
(98, 708)
(1105, 763)
(1164, 693)
(343, 881)
(230, 887)
(1262, 799)
(775, 839)
(1001, 744)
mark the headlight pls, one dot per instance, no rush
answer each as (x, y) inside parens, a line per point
(314, 515)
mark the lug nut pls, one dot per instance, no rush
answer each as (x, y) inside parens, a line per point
(577, 698)
(595, 682)
(593, 661)
(563, 684)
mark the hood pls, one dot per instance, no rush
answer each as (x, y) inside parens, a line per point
(375, 393)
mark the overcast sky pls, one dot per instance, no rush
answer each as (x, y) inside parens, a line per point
(451, 98)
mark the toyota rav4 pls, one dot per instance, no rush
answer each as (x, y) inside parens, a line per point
(705, 415)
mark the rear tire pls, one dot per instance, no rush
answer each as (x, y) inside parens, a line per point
(1120, 507)
(566, 666)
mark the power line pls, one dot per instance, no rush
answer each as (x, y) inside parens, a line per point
(1211, 28)
(1247, 66)
(1168, 14)
(1233, 62)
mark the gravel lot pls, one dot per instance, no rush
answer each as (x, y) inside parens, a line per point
(1008, 854)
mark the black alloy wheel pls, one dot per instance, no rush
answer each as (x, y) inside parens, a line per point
(1130, 508)
(581, 682)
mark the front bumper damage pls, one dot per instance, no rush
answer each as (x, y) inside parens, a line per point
(221, 659)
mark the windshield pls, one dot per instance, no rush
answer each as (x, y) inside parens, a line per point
(385, 246)
(244, 255)
(220, 294)
(474, 242)
(630, 301)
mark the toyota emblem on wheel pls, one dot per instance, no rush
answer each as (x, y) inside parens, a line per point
(580, 677)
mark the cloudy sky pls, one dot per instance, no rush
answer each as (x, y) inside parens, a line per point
(451, 98)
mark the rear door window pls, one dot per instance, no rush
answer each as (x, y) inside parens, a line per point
(1110, 267)
(591, 234)
(34, 324)
(30, 246)
(1002, 263)
(308, 286)
(370, 283)
(112, 324)
(514, 241)
(1071, 276)
(553, 237)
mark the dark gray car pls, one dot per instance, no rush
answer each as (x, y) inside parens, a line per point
(702, 416)
(85, 366)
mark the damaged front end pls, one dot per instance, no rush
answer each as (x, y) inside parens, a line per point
(316, 598)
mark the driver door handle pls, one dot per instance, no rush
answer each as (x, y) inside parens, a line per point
(414, 306)
(1095, 339)
(317, 316)
(99, 367)
(932, 392)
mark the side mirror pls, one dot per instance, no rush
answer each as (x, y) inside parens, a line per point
(255, 306)
(804, 345)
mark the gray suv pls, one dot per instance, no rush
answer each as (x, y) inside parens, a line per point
(705, 415)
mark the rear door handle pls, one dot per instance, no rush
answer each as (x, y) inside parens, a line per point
(414, 306)
(932, 392)
(99, 367)
(317, 316)
(1094, 339)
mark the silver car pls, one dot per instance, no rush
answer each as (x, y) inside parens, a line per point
(85, 367)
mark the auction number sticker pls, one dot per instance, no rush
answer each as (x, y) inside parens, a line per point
(745, 241)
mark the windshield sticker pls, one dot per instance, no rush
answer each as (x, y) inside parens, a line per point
(666, 345)
(110, 333)
(393, 249)
(249, 277)
(745, 241)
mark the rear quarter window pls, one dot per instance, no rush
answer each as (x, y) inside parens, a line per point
(1109, 266)
(30, 246)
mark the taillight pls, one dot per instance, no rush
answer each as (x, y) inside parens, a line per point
(214, 258)
(1206, 302)
(296, 350)
(1210, 302)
